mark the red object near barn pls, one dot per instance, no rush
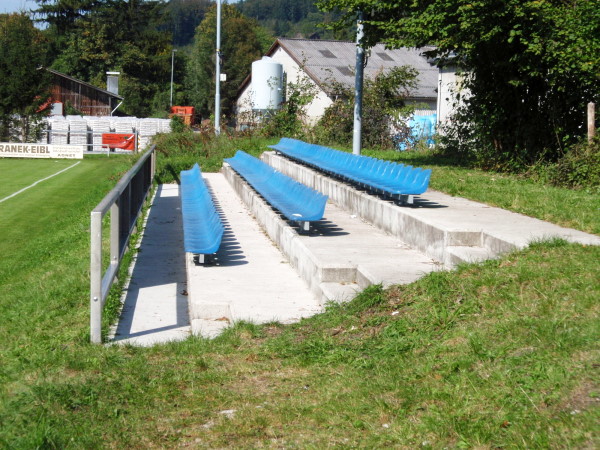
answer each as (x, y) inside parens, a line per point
(124, 141)
(187, 114)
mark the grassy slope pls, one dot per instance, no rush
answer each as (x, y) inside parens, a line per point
(499, 354)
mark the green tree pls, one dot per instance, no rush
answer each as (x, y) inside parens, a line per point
(183, 18)
(122, 35)
(241, 40)
(25, 85)
(62, 15)
(383, 105)
(532, 65)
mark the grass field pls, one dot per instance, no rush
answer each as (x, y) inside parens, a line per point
(499, 354)
(20, 173)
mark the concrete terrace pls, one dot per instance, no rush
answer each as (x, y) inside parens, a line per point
(269, 270)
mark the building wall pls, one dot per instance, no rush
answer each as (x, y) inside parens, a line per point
(449, 86)
(293, 73)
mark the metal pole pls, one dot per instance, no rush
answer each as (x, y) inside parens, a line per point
(358, 86)
(172, 66)
(591, 125)
(96, 278)
(218, 73)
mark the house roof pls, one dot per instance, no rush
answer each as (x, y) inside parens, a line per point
(327, 61)
(83, 83)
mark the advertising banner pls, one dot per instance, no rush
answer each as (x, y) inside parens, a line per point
(125, 141)
(18, 150)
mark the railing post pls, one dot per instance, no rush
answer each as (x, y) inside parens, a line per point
(96, 278)
(591, 125)
(115, 233)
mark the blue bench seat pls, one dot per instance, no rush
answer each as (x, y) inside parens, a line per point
(294, 200)
(385, 177)
(202, 225)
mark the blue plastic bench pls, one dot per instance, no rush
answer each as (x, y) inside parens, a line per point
(385, 177)
(202, 226)
(294, 200)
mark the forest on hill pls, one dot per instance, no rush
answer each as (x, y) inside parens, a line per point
(282, 18)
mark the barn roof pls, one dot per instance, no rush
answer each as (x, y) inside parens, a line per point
(327, 61)
(83, 83)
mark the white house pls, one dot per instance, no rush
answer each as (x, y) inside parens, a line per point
(321, 62)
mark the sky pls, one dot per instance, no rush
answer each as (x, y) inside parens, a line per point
(9, 6)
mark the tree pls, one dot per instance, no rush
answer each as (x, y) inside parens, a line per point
(25, 85)
(122, 35)
(62, 15)
(240, 46)
(383, 106)
(184, 17)
(532, 65)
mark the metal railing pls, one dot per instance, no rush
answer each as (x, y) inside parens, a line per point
(125, 203)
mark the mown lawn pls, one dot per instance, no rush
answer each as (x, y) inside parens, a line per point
(499, 354)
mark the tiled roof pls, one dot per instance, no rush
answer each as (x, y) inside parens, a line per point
(326, 61)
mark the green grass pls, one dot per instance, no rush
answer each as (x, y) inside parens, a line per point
(499, 354)
(20, 173)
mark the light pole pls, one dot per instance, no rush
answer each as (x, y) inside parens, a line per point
(358, 86)
(218, 73)
(172, 66)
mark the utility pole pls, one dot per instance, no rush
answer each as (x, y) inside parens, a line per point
(358, 86)
(218, 73)
(172, 66)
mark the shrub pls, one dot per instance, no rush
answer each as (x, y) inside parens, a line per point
(383, 107)
(579, 168)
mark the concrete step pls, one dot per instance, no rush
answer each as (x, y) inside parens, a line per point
(437, 222)
(338, 292)
(458, 254)
(339, 251)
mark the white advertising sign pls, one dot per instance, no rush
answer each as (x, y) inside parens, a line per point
(18, 150)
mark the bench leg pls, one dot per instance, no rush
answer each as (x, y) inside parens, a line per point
(305, 225)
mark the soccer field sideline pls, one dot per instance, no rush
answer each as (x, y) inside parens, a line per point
(38, 181)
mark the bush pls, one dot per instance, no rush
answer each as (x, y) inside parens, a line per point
(383, 105)
(579, 168)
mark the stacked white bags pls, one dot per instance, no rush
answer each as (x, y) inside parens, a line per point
(98, 126)
(59, 131)
(78, 131)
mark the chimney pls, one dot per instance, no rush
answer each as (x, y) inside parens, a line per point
(112, 82)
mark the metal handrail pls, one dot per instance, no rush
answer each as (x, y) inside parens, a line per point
(125, 202)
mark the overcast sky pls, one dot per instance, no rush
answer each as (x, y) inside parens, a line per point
(8, 6)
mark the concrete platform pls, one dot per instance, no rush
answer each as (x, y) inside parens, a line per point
(341, 254)
(248, 279)
(155, 307)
